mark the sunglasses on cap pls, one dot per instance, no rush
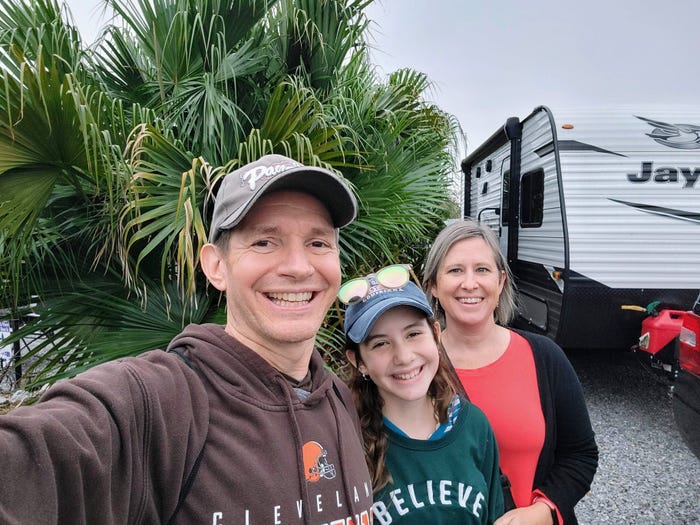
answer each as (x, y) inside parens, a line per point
(390, 277)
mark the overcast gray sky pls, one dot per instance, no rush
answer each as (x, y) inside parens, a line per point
(493, 59)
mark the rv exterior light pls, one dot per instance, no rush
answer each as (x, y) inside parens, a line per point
(688, 337)
(556, 274)
(567, 126)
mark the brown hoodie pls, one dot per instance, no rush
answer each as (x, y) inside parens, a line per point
(116, 444)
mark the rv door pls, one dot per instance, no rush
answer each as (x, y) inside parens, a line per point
(505, 196)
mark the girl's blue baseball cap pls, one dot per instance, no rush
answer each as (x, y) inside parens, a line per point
(361, 316)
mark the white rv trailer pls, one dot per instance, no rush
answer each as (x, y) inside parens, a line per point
(595, 209)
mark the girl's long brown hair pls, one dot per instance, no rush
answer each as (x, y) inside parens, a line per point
(369, 405)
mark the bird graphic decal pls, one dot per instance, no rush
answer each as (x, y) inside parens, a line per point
(679, 136)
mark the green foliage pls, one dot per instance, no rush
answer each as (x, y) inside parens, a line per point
(110, 155)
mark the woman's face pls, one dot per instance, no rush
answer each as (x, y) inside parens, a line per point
(400, 355)
(468, 283)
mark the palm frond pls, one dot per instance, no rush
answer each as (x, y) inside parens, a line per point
(317, 36)
(110, 156)
(190, 60)
(99, 321)
(35, 31)
(163, 217)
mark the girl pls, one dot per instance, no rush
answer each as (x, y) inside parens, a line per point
(431, 454)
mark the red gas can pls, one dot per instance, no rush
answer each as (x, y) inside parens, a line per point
(658, 331)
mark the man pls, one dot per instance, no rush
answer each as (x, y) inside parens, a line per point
(235, 424)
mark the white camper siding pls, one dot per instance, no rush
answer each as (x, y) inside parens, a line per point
(545, 244)
(621, 217)
(500, 159)
(622, 245)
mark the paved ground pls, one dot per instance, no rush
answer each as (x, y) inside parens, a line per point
(646, 474)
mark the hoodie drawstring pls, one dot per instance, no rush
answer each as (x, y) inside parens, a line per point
(296, 431)
(341, 452)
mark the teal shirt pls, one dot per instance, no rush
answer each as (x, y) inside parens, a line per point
(450, 480)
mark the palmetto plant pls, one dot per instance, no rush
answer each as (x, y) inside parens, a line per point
(110, 155)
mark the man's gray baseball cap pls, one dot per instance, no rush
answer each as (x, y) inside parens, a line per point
(242, 188)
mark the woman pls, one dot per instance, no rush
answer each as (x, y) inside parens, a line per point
(522, 381)
(432, 455)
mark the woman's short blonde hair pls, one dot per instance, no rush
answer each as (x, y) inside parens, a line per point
(448, 237)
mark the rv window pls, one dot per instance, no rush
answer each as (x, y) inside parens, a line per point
(505, 196)
(532, 199)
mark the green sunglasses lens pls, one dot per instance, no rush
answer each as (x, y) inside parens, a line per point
(393, 276)
(353, 291)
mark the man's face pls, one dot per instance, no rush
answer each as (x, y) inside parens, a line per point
(281, 271)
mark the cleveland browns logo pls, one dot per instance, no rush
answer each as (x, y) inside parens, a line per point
(316, 465)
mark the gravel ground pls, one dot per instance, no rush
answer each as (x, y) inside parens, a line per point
(646, 474)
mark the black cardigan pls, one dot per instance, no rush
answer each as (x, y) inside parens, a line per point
(569, 456)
